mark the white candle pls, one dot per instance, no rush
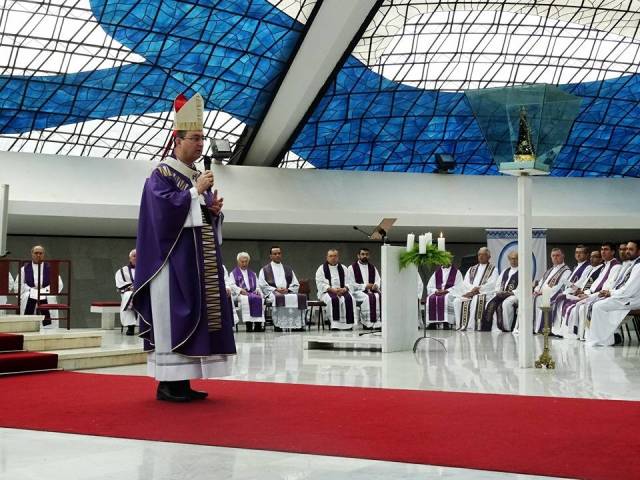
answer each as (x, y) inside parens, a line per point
(441, 242)
(411, 240)
(429, 237)
(546, 296)
(422, 244)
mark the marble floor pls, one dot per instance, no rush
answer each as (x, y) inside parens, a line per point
(472, 362)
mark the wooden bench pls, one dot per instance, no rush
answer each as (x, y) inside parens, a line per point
(108, 311)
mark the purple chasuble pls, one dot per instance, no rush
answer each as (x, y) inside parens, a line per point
(335, 300)
(288, 276)
(371, 296)
(255, 300)
(166, 202)
(436, 303)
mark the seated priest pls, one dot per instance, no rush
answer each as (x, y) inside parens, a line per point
(476, 291)
(606, 281)
(366, 289)
(249, 296)
(36, 281)
(442, 288)
(555, 278)
(332, 280)
(608, 313)
(503, 306)
(232, 293)
(279, 286)
(576, 292)
(124, 278)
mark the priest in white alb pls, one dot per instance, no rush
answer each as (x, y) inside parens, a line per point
(500, 312)
(442, 288)
(607, 314)
(366, 289)
(279, 286)
(124, 278)
(36, 285)
(554, 279)
(476, 291)
(333, 289)
(248, 295)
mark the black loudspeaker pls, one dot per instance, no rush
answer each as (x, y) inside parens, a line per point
(445, 163)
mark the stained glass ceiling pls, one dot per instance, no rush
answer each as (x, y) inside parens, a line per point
(96, 78)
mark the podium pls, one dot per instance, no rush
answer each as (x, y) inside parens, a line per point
(399, 311)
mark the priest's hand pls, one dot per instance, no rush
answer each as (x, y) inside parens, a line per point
(204, 182)
(604, 293)
(216, 206)
(370, 286)
(282, 290)
(243, 292)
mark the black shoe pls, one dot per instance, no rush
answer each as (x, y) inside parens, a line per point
(250, 327)
(258, 327)
(277, 329)
(172, 392)
(131, 330)
(432, 326)
(194, 394)
(46, 322)
(617, 339)
(446, 326)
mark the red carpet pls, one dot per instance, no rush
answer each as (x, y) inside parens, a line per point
(11, 341)
(564, 437)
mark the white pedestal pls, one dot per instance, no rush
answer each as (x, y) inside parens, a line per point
(107, 316)
(399, 302)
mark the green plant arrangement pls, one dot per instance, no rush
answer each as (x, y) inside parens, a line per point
(433, 257)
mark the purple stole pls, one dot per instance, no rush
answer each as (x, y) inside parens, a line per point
(29, 279)
(601, 283)
(481, 300)
(495, 305)
(436, 303)
(373, 314)
(335, 300)
(575, 276)
(569, 305)
(288, 276)
(255, 300)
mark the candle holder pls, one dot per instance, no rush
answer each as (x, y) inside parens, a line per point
(545, 358)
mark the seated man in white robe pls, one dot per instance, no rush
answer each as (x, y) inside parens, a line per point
(556, 279)
(332, 280)
(366, 289)
(606, 281)
(579, 272)
(124, 283)
(279, 286)
(232, 293)
(475, 292)
(500, 312)
(607, 314)
(575, 292)
(442, 288)
(36, 284)
(249, 296)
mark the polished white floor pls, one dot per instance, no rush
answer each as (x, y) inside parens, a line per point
(472, 362)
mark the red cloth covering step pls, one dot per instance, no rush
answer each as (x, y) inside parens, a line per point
(27, 361)
(105, 304)
(565, 437)
(11, 341)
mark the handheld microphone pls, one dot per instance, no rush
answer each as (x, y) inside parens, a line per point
(207, 162)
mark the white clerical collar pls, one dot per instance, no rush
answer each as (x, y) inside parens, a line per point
(363, 264)
(182, 168)
(513, 269)
(333, 266)
(274, 264)
(580, 264)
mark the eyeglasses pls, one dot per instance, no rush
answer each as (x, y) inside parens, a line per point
(197, 139)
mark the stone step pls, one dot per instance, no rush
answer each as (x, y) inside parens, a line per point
(61, 340)
(20, 323)
(84, 358)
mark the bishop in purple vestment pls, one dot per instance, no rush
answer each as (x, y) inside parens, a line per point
(186, 318)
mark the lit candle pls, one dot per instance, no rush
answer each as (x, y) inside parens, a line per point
(429, 237)
(441, 242)
(411, 240)
(546, 296)
(422, 244)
